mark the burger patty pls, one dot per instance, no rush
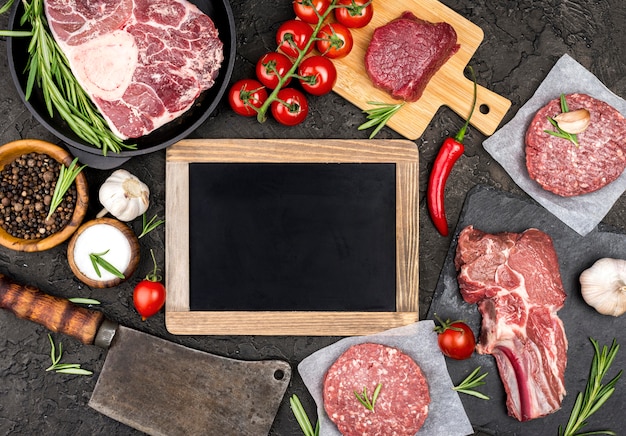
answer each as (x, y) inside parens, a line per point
(566, 169)
(402, 404)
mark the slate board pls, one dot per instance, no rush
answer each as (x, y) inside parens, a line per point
(495, 211)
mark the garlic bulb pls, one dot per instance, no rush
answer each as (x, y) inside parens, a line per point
(124, 196)
(603, 286)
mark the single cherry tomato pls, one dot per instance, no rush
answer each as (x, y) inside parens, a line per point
(271, 67)
(149, 294)
(292, 36)
(335, 40)
(456, 340)
(245, 95)
(305, 9)
(317, 75)
(290, 107)
(354, 13)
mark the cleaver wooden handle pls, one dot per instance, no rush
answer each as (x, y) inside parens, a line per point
(54, 313)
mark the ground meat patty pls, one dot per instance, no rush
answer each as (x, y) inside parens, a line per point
(402, 404)
(404, 54)
(560, 166)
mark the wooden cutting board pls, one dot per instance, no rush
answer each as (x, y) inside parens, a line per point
(449, 87)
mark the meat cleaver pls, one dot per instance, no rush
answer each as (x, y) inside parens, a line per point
(156, 386)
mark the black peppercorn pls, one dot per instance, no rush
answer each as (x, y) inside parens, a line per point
(26, 185)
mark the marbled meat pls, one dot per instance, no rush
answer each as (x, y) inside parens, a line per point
(402, 404)
(142, 62)
(404, 54)
(515, 280)
(567, 169)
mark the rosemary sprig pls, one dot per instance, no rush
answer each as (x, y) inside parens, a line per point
(67, 175)
(379, 115)
(302, 418)
(472, 381)
(147, 227)
(64, 368)
(560, 133)
(98, 261)
(364, 398)
(48, 68)
(595, 394)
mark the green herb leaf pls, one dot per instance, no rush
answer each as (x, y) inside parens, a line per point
(67, 175)
(560, 133)
(379, 115)
(472, 381)
(302, 418)
(63, 368)
(77, 300)
(595, 394)
(364, 398)
(147, 227)
(98, 261)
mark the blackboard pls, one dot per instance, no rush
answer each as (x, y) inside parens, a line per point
(291, 236)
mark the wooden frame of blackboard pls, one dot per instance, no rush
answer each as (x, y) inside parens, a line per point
(181, 320)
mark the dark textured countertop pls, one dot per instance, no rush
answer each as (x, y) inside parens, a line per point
(523, 39)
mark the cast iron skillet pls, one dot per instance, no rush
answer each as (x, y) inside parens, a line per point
(221, 14)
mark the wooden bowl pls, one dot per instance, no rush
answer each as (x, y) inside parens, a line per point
(13, 150)
(98, 242)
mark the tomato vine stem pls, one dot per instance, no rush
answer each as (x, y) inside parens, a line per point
(262, 111)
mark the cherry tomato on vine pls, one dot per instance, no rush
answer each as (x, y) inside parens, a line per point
(271, 67)
(305, 9)
(246, 94)
(292, 36)
(335, 40)
(290, 107)
(456, 339)
(317, 75)
(149, 294)
(356, 13)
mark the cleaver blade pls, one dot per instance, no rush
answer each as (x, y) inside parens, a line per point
(162, 388)
(157, 386)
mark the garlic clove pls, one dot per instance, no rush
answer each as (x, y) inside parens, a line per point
(573, 122)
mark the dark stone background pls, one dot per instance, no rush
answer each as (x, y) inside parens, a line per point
(523, 40)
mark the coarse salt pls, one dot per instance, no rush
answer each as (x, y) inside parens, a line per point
(98, 239)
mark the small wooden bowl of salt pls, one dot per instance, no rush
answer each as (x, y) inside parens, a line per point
(103, 252)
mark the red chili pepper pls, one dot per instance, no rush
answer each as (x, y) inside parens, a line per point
(449, 153)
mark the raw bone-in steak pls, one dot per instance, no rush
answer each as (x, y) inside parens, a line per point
(515, 280)
(142, 62)
(404, 54)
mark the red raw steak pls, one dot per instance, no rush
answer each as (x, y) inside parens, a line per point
(142, 62)
(405, 54)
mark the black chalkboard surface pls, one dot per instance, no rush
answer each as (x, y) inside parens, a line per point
(291, 237)
(280, 236)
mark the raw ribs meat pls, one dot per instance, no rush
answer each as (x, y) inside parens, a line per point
(142, 62)
(515, 280)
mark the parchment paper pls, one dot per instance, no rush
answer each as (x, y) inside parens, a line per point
(446, 414)
(582, 213)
